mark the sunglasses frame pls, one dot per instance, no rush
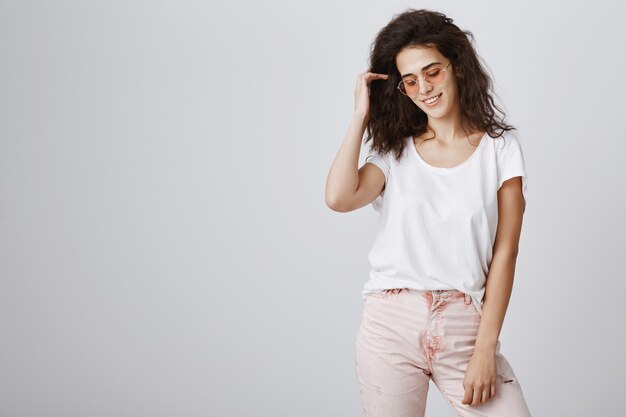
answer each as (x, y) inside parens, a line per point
(416, 78)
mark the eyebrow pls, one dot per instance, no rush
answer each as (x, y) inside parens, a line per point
(423, 69)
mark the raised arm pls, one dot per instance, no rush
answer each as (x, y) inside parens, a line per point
(349, 187)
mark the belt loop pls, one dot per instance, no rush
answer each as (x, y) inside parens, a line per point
(468, 299)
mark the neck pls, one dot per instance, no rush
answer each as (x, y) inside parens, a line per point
(448, 129)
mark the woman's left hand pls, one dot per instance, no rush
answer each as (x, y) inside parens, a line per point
(480, 378)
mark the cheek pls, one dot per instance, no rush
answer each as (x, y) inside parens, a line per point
(452, 96)
(453, 91)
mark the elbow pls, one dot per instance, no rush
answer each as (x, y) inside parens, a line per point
(335, 204)
(332, 202)
(340, 204)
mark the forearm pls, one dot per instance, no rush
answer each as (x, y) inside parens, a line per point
(497, 295)
(343, 178)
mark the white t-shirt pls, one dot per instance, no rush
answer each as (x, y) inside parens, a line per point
(437, 226)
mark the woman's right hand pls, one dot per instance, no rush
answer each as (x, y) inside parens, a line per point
(362, 92)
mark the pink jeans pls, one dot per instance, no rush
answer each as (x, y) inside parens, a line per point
(409, 337)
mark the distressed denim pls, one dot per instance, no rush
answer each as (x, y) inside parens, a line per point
(408, 338)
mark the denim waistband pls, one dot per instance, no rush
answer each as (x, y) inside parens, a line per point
(437, 294)
(447, 294)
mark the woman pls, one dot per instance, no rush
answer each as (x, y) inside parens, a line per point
(449, 181)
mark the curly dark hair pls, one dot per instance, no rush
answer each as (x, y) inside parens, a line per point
(392, 117)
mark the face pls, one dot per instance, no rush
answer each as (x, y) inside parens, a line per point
(411, 62)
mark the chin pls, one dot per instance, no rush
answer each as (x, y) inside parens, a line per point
(439, 111)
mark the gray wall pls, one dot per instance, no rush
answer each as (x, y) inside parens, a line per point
(165, 248)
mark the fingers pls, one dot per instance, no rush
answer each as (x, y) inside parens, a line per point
(370, 76)
(476, 396)
(467, 398)
(486, 394)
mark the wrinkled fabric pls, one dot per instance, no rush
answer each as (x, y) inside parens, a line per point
(407, 338)
(437, 226)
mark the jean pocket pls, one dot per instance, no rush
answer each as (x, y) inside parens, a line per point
(386, 293)
(506, 374)
(379, 294)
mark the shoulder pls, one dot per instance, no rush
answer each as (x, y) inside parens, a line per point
(507, 141)
(385, 156)
(374, 156)
(381, 160)
(394, 155)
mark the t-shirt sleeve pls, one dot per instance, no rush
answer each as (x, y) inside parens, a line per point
(510, 161)
(382, 162)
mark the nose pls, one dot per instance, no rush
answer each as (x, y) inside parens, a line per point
(424, 86)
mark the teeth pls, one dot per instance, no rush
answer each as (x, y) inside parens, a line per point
(433, 99)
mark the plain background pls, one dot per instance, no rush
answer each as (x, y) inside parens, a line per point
(165, 247)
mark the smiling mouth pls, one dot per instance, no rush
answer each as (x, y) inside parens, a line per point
(432, 99)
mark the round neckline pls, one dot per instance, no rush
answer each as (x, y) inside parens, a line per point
(445, 169)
